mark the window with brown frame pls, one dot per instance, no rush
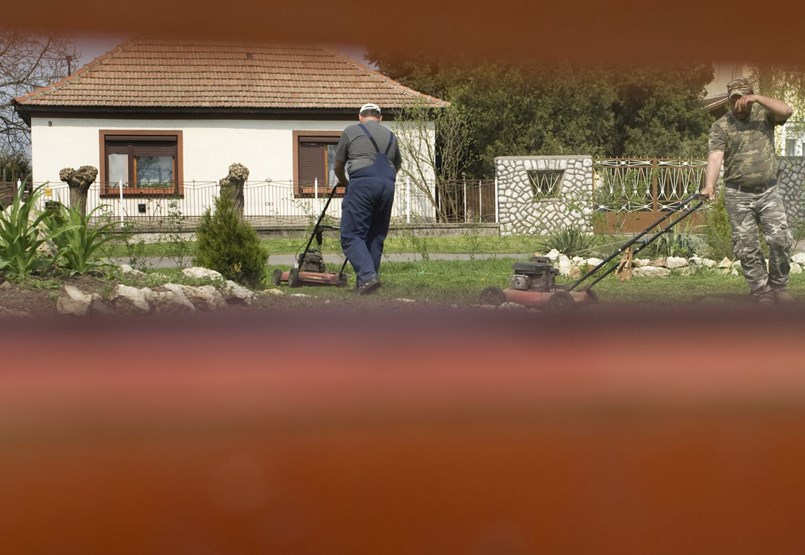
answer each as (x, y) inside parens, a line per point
(146, 163)
(314, 163)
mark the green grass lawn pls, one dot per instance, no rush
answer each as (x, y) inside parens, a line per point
(468, 243)
(461, 281)
(461, 244)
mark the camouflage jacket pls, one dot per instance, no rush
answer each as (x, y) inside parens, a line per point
(748, 147)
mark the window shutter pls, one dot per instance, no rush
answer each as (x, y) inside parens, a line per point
(311, 164)
(117, 148)
(153, 149)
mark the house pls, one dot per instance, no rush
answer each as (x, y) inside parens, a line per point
(715, 100)
(166, 118)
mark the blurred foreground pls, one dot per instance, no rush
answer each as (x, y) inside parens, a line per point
(674, 431)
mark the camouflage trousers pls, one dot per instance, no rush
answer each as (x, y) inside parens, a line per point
(753, 212)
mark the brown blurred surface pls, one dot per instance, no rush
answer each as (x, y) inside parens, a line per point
(418, 433)
(644, 435)
(593, 32)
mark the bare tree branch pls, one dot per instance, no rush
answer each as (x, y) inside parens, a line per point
(27, 61)
(435, 147)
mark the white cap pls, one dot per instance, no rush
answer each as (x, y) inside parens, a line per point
(369, 106)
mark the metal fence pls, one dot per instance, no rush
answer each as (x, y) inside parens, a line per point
(7, 191)
(467, 201)
(272, 203)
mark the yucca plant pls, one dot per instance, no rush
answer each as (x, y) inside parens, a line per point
(78, 243)
(674, 243)
(22, 233)
(571, 241)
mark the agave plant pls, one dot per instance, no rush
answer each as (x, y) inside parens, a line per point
(571, 241)
(77, 242)
(23, 231)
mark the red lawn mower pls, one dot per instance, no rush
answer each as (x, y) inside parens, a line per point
(310, 268)
(533, 284)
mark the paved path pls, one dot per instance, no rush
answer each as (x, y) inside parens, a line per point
(335, 259)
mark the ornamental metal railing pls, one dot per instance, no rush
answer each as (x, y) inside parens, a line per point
(629, 185)
(278, 203)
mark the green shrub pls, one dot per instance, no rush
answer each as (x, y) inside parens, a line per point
(14, 167)
(719, 232)
(229, 245)
(177, 245)
(570, 241)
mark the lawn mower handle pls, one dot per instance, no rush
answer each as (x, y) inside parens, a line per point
(317, 228)
(674, 210)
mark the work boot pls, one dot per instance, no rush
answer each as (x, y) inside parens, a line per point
(765, 299)
(369, 286)
(782, 296)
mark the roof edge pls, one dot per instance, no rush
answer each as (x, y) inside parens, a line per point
(113, 112)
(76, 75)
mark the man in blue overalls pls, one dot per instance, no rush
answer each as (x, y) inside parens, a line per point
(369, 152)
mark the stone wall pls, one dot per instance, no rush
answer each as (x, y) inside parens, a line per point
(791, 178)
(521, 214)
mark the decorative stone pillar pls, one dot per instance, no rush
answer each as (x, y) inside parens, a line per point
(526, 209)
(233, 183)
(79, 181)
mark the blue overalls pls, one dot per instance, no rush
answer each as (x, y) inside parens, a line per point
(366, 212)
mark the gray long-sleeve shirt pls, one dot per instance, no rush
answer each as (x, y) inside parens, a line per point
(357, 151)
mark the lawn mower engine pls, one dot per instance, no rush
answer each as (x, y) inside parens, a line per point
(536, 275)
(313, 261)
(533, 284)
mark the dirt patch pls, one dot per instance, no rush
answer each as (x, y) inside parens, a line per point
(37, 298)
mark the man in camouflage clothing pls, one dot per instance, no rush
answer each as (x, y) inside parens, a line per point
(743, 140)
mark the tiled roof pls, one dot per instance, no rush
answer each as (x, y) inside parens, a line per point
(153, 73)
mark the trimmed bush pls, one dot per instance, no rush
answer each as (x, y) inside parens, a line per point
(229, 245)
(719, 231)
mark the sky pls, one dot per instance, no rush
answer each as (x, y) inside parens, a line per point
(94, 46)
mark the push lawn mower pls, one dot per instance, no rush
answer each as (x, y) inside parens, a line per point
(309, 267)
(533, 283)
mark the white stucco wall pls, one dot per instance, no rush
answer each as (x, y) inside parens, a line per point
(210, 146)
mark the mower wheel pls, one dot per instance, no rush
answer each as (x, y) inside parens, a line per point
(276, 276)
(561, 301)
(342, 279)
(293, 277)
(591, 296)
(493, 296)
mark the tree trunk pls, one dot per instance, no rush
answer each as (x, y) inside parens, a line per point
(79, 181)
(232, 185)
